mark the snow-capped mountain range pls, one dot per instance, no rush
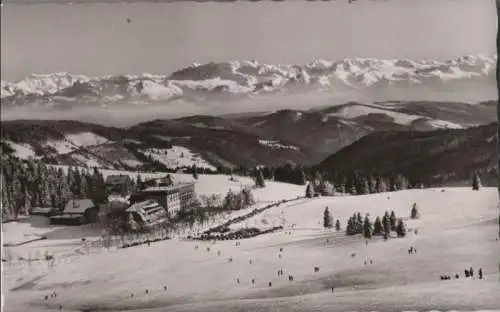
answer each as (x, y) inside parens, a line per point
(469, 78)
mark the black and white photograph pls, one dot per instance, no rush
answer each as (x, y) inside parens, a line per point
(250, 155)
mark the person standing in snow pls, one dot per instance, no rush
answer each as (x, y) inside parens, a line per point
(480, 272)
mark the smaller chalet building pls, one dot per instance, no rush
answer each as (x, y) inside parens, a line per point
(119, 184)
(76, 212)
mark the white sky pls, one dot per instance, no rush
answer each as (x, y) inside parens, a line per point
(95, 39)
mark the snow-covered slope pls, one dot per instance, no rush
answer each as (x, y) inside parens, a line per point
(369, 77)
(356, 111)
(178, 157)
(201, 280)
(21, 150)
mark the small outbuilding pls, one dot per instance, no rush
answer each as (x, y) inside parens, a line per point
(119, 184)
(77, 212)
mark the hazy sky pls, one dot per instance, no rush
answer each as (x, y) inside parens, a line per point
(95, 39)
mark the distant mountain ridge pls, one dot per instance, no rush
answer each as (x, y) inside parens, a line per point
(465, 79)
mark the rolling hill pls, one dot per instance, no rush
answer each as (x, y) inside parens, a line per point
(296, 136)
(431, 157)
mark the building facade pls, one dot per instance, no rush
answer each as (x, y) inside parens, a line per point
(173, 198)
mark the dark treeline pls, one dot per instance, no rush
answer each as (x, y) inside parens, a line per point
(287, 173)
(26, 184)
(355, 183)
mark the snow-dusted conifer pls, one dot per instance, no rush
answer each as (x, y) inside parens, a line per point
(367, 228)
(414, 213)
(309, 191)
(327, 219)
(337, 225)
(401, 228)
(476, 182)
(393, 220)
(377, 227)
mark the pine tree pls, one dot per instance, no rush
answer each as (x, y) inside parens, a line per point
(302, 180)
(319, 184)
(41, 185)
(362, 186)
(6, 209)
(83, 183)
(367, 228)
(309, 191)
(259, 181)
(61, 189)
(393, 187)
(330, 188)
(343, 189)
(386, 223)
(30, 181)
(76, 184)
(327, 219)
(100, 192)
(380, 185)
(69, 176)
(377, 227)
(371, 184)
(359, 223)
(195, 172)
(393, 221)
(229, 202)
(89, 185)
(337, 225)
(349, 230)
(403, 182)
(475, 182)
(414, 214)
(401, 228)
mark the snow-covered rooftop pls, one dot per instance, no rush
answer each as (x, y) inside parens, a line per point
(78, 206)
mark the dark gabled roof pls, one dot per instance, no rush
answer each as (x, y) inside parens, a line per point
(118, 179)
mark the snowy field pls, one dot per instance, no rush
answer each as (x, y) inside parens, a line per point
(178, 157)
(457, 230)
